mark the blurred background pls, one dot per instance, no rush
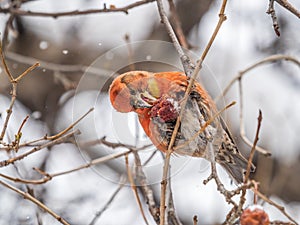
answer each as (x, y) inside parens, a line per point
(80, 55)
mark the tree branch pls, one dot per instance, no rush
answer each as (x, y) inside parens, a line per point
(238, 78)
(288, 6)
(55, 66)
(185, 60)
(111, 9)
(28, 196)
(193, 72)
(177, 25)
(111, 199)
(272, 12)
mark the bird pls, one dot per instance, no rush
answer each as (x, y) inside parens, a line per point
(158, 98)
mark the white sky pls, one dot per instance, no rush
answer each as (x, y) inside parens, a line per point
(265, 88)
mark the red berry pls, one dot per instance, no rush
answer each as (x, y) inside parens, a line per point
(254, 215)
(165, 109)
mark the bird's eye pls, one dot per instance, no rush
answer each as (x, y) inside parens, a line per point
(132, 103)
(132, 91)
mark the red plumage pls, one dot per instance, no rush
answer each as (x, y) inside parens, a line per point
(157, 99)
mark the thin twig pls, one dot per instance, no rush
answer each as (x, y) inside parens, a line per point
(246, 179)
(172, 216)
(32, 143)
(235, 212)
(28, 196)
(259, 119)
(60, 134)
(22, 125)
(63, 132)
(16, 142)
(278, 222)
(146, 189)
(255, 184)
(279, 207)
(194, 73)
(238, 78)
(9, 110)
(7, 71)
(29, 69)
(7, 29)
(13, 94)
(55, 66)
(222, 18)
(55, 15)
(108, 144)
(150, 158)
(242, 124)
(188, 70)
(272, 12)
(36, 149)
(48, 177)
(289, 7)
(205, 125)
(110, 200)
(214, 175)
(93, 162)
(177, 25)
(134, 189)
(285, 4)
(186, 62)
(269, 59)
(14, 83)
(165, 175)
(9, 23)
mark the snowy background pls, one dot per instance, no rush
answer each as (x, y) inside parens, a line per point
(55, 98)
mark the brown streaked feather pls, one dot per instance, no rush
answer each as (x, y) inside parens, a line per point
(229, 156)
(200, 108)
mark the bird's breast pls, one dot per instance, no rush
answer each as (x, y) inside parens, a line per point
(190, 140)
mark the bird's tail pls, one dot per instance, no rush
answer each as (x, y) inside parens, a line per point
(237, 167)
(230, 158)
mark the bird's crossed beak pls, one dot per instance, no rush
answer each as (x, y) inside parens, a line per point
(143, 100)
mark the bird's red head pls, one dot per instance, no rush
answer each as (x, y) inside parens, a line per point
(135, 91)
